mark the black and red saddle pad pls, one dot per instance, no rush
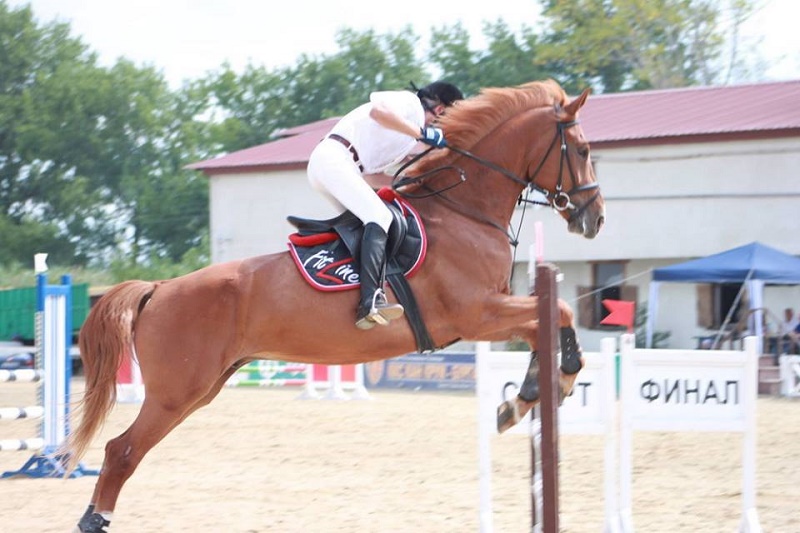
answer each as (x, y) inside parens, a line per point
(325, 250)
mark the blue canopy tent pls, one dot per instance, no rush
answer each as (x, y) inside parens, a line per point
(754, 265)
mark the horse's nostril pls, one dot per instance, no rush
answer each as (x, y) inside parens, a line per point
(600, 222)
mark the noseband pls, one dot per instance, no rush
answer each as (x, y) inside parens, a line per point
(559, 199)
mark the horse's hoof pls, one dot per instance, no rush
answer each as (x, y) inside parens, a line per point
(563, 395)
(507, 416)
(93, 523)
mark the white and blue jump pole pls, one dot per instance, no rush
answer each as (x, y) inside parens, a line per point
(53, 341)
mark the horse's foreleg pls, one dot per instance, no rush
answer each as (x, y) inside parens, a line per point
(571, 360)
(511, 412)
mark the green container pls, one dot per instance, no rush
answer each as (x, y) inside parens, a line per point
(18, 311)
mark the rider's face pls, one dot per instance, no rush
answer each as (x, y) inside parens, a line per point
(432, 113)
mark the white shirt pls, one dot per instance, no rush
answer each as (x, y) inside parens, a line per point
(379, 148)
(790, 326)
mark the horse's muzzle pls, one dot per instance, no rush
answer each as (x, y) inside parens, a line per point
(588, 224)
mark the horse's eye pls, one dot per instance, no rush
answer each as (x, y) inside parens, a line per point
(583, 152)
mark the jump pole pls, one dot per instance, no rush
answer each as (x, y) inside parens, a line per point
(548, 356)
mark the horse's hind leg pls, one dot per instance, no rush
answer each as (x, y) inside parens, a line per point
(125, 452)
(122, 455)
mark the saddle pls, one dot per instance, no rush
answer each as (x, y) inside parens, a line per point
(326, 252)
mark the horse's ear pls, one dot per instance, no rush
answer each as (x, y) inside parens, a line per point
(573, 106)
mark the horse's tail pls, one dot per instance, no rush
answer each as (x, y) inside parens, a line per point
(106, 336)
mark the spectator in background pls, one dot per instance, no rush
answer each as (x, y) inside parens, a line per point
(789, 333)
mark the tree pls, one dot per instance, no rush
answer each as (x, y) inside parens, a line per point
(34, 61)
(451, 54)
(150, 137)
(510, 59)
(91, 158)
(617, 45)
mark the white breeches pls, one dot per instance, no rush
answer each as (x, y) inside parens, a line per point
(333, 173)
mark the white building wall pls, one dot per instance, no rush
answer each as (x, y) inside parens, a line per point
(248, 212)
(664, 205)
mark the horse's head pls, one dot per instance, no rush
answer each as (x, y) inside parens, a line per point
(529, 134)
(565, 174)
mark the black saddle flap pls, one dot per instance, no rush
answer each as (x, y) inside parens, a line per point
(310, 226)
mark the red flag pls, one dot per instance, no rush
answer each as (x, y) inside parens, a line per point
(620, 313)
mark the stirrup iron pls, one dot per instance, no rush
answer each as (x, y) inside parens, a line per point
(381, 312)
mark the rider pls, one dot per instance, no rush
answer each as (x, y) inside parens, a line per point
(368, 140)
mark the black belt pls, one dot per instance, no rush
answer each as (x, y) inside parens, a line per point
(347, 144)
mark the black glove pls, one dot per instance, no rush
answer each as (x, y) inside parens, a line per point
(433, 136)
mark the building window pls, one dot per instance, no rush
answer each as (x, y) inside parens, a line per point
(608, 283)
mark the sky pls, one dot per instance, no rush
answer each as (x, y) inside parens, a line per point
(185, 39)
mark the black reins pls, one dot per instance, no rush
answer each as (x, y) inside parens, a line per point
(558, 199)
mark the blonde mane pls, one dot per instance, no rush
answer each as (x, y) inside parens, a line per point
(468, 121)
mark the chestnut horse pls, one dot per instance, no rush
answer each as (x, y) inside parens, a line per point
(191, 333)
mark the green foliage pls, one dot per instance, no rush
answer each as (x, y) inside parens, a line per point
(20, 240)
(621, 45)
(158, 267)
(91, 158)
(21, 274)
(252, 106)
(510, 60)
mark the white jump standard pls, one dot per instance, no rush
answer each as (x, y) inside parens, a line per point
(53, 340)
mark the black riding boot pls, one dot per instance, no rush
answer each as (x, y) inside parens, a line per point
(373, 307)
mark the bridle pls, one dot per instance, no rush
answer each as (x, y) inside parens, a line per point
(559, 199)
